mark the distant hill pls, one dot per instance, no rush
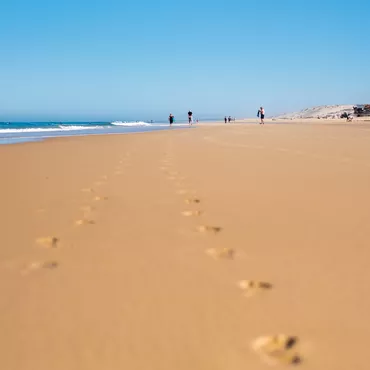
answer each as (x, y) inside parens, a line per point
(323, 111)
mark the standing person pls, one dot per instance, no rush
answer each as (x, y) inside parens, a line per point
(225, 119)
(190, 117)
(171, 118)
(229, 119)
(261, 113)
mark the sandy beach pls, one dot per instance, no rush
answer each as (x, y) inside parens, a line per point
(187, 249)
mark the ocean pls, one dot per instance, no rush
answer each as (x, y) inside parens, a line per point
(20, 132)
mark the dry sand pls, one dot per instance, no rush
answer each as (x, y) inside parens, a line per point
(105, 265)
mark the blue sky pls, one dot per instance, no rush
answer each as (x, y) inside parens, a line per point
(141, 59)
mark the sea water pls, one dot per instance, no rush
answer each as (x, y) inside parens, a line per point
(20, 132)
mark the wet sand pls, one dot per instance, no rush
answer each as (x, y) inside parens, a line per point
(225, 247)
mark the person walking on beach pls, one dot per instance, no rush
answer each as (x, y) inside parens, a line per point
(229, 119)
(190, 117)
(261, 113)
(171, 118)
(225, 119)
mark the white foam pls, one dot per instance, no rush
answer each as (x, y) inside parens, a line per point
(54, 129)
(130, 124)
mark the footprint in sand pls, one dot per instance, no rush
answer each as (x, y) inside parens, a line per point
(172, 178)
(277, 349)
(117, 173)
(223, 253)
(251, 287)
(50, 265)
(97, 199)
(48, 242)
(191, 213)
(84, 221)
(33, 266)
(98, 183)
(192, 201)
(104, 177)
(209, 229)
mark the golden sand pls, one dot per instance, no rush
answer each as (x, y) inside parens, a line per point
(100, 271)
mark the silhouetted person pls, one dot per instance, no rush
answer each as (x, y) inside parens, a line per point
(171, 118)
(190, 117)
(261, 113)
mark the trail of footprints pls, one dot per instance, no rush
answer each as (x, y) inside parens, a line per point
(53, 242)
(279, 349)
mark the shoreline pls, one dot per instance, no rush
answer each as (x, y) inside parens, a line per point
(50, 138)
(60, 134)
(133, 130)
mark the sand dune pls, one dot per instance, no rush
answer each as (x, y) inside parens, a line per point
(324, 111)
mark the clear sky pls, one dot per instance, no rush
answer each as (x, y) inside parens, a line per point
(141, 59)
